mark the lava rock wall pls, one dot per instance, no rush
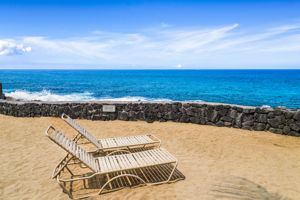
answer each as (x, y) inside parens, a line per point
(280, 121)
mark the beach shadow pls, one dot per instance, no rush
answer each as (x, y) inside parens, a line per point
(238, 188)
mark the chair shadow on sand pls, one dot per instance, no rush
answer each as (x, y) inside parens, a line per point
(90, 187)
(238, 188)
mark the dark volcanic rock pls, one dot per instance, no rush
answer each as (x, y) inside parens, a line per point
(294, 133)
(248, 123)
(275, 120)
(262, 118)
(286, 130)
(259, 126)
(212, 116)
(294, 127)
(123, 116)
(223, 112)
(271, 115)
(297, 115)
(226, 119)
(233, 114)
(274, 130)
(239, 120)
(220, 123)
(184, 118)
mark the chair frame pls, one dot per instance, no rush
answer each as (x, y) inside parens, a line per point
(126, 148)
(70, 159)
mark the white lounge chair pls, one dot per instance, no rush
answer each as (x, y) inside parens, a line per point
(117, 143)
(108, 164)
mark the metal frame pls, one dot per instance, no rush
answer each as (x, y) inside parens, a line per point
(66, 117)
(71, 159)
(62, 182)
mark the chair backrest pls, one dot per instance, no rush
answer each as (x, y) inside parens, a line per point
(81, 130)
(71, 147)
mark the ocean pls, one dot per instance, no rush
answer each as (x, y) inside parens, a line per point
(244, 87)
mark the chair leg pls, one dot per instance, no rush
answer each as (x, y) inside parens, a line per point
(171, 174)
(119, 176)
(62, 185)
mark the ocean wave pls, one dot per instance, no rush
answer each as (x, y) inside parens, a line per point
(46, 95)
(265, 106)
(130, 98)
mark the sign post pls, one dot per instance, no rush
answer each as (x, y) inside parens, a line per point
(109, 108)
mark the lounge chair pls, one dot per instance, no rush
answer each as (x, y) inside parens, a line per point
(117, 143)
(108, 165)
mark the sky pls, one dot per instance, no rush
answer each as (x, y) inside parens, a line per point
(153, 34)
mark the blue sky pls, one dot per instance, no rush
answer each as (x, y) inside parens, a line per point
(149, 34)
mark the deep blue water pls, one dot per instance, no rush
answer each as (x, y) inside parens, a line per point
(245, 87)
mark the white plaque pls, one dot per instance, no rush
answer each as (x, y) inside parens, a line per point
(109, 108)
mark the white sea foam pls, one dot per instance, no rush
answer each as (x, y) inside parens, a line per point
(265, 106)
(47, 95)
(130, 98)
(126, 98)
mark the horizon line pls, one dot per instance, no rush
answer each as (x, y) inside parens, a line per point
(150, 69)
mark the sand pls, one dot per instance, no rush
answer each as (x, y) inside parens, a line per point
(207, 156)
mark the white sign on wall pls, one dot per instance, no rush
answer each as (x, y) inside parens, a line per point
(109, 108)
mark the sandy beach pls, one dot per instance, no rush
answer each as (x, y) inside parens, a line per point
(207, 156)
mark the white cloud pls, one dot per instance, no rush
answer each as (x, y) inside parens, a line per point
(12, 48)
(165, 25)
(229, 45)
(248, 40)
(196, 39)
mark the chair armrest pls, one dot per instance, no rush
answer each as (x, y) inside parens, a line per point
(48, 129)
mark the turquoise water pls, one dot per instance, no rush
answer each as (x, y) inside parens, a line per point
(246, 87)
